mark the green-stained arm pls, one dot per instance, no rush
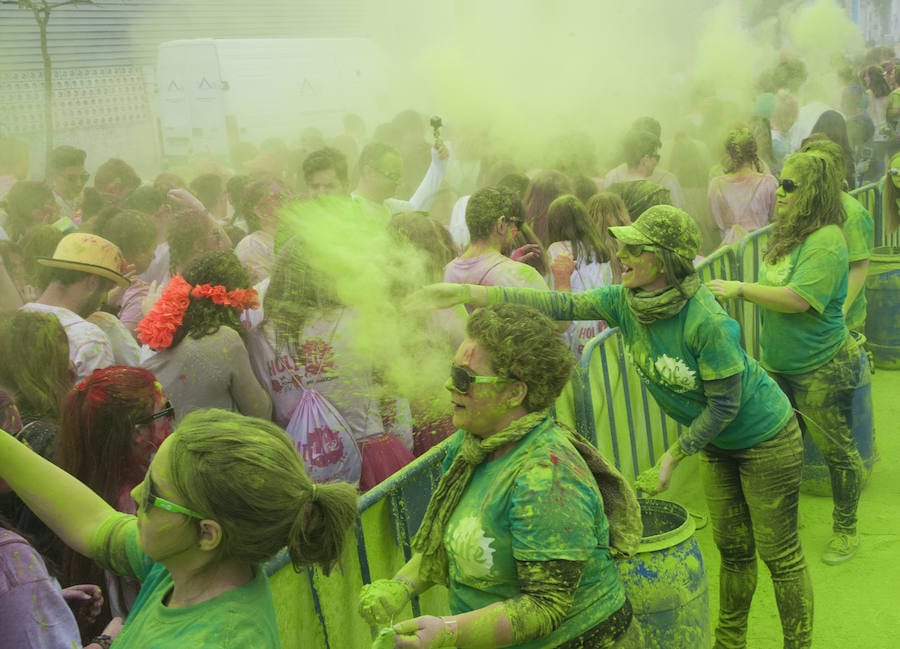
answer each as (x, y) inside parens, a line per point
(547, 590)
(409, 574)
(856, 281)
(775, 298)
(556, 304)
(67, 506)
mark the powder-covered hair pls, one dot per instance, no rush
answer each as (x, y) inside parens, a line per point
(132, 231)
(525, 345)
(186, 228)
(889, 209)
(545, 188)
(96, 443)
(675, 268)
(607, 210)
(486, 206)
(35, 362)
(22, 200)
(97, 431)
(568, 220)
(297, 291)
(740, 149)
(427, 236)
(203, 316)
(246, 474)
(818, 203)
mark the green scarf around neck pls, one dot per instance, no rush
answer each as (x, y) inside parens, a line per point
(650, 306)
(619, 500)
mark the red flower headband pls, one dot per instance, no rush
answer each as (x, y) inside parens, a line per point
(157, 329)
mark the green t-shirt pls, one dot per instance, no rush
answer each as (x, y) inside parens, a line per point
(242, 617)
(859, 231)
(539, 502)
(817, 271)
(675, 355)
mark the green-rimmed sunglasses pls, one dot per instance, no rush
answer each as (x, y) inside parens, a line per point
(150, 499)
(462, 379)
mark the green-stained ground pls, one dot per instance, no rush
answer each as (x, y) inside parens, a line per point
(857, 602)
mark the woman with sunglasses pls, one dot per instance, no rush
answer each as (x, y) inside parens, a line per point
(520, 569)
(113, 423)
(223, 494)
(688, 352)
(805, 343)
(891, 200)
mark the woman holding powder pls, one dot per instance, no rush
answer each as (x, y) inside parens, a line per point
(688, 352)
(521, 569)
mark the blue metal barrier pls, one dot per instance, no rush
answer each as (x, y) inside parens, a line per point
(614, 408)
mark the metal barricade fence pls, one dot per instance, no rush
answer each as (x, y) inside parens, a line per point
(606, 401)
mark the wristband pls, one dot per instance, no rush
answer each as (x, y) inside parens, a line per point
(103, 640)
(741, 290)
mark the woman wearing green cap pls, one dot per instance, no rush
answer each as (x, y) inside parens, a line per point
(688, 351)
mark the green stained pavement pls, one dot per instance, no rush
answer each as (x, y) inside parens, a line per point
(855, 603)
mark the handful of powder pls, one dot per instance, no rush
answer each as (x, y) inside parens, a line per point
(385, 639)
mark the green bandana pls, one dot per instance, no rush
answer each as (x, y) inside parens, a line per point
(650, 306)
(619, 500)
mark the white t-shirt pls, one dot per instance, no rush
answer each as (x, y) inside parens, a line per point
(89, 348)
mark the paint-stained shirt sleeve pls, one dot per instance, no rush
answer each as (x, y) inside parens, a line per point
(116, 547)
(591, 305)
(821, 270)
(859, 230)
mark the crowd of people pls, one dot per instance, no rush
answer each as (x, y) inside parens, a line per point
(184, 392)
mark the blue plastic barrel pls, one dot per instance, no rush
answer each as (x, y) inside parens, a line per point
(666, 580)
(883, 310)
(816, 478)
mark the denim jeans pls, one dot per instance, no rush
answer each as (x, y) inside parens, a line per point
(753, 495)
(824, 399)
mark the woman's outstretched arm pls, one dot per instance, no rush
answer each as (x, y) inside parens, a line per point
(65, 504)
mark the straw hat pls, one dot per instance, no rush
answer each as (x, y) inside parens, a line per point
(88, 253)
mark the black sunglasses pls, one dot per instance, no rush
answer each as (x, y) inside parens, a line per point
(167, 411)
(462, 378)
(789, 185)
(893, 171)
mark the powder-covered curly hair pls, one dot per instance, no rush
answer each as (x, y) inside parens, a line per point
(524, 344)
(204, 317)
(741, 149)
(818, 203)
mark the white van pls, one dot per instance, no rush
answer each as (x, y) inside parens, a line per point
(215, 92)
